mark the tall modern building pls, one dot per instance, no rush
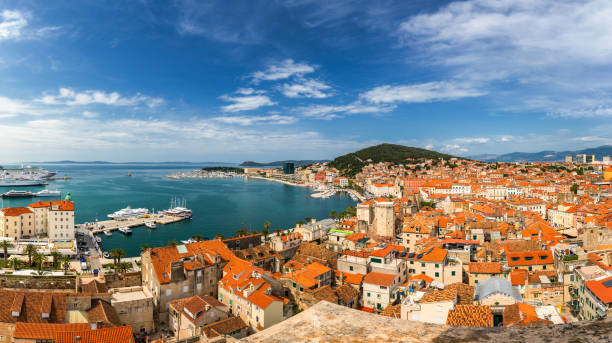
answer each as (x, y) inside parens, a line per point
(568, 159)
(581, 158)
(288, 168)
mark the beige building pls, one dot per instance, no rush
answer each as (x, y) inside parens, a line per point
(54, 219)
(134, 305)
(247, 293)
(188, 316)
(17, 222)
(176, 272)
(376, 217)
(436, 264)
(482, 271)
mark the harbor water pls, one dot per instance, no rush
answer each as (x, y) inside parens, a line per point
(219, 205)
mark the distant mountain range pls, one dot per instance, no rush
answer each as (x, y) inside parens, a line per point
(297, 163)
(352, 163)
(544, 156)
(106, 162)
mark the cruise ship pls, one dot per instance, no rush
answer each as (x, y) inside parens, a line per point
(48, 193)
(21, 183)
(178, 208)
(25, 173)
(17, 194)
(128, 212)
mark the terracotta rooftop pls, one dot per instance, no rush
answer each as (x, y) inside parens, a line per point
(470, 315)
(224, 327)
(29, 306)
(379, 279)
(44, 330)
(485, 267)
(120, 334)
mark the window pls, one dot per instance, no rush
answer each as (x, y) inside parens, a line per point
(423, 265)
(351, 268)
(411, 262)
(437, 274)
(437, 265)
(544, 267)
(453, 273)
(475, 281)
(368, 295)
(375, 260)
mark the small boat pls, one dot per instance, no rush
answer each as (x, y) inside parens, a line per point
(48, 193)
(128, 212)
(125, 230)
(129, 174)
(17, 194)
(98, 239)
(108, 233)
(106, 254)
(151, 225)
(190, 240)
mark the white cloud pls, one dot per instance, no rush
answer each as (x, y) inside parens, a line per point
(283, 70)
(12, 24)
(328, 112)
(251, 120)
(547, 55)
(454, 148)
(13, 107)
(67, 96)
(89, 114)
(590, 139)
(246, 103)
(305, 88)
(423, 92)
(480, 140)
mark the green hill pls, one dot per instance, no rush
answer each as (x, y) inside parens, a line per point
(351, 164)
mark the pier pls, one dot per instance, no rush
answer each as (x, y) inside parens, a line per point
(113, 224)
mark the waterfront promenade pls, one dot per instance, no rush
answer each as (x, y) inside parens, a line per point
(111, 225)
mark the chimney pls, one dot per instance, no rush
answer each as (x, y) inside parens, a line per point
(77, 339)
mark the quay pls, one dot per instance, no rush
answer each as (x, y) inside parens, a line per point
(114, 224)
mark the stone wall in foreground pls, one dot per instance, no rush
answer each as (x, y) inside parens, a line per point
(326, 322)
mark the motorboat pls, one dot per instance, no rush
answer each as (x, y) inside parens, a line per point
(151, 225)
(125, 230)
(48, 193)
(98, 239)
(106, 254)
(17, 194)
(128, 212)
(108, 233)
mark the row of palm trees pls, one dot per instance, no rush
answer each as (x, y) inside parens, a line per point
(33, 257)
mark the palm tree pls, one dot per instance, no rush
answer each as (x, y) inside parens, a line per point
(6, 245)
(30, 250)
(40, 259)
(267, 225)
(333, 214)
(219, 236)
(56, 256)
(265, 232)
(307, 220)
(277, 231)
(144, 247)
(15, 262)
(173, 243)
(198, 237)
(117, 254)
(299, 222)
(66, 263)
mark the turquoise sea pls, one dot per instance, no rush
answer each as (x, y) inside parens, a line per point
(219, 205)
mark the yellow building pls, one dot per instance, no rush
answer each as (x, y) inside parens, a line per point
(608, 174)
(16, 222)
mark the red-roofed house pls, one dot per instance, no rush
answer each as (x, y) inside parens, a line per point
(17, 222)
(597, 299)
(176, 272)
(379, 290)
(54, 219)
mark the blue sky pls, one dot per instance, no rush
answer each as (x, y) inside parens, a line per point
(264, 80)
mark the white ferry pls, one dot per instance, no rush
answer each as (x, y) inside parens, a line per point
(125, 230)
(108, 233)
(48, 193)
(151, 225)
(128, 212)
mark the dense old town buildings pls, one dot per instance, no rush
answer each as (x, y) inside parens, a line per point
(454, 242)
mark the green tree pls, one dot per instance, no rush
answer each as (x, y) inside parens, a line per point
(55, 255)
(307, 220)
(117, 254)
(198, 237)
(144, 247)
(40, 260)
(173, 243)
(30, 250)
(15, 263)
(574, 188)
(220, 236)
(265, 232)
(6, 245)
(333, 214)
(66, 263)
(267, 225)
(299, 222)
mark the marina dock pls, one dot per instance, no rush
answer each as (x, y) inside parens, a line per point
(113, 224)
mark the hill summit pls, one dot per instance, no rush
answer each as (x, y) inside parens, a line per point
(351, 164)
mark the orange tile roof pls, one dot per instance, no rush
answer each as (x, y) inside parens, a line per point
(15, 211)
(62, 205)
(162, 257)
(600, 290)
(470, 315)
(119, 334)
(379, 279)
(485, 267)
(45, 330)
(528, 258)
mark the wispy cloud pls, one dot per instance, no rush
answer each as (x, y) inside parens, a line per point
(282, 70)
(423, 92)
(12, 23)
(67, 96)
(250, 99)
(306, 88)
(328, 112)
(251, 120)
